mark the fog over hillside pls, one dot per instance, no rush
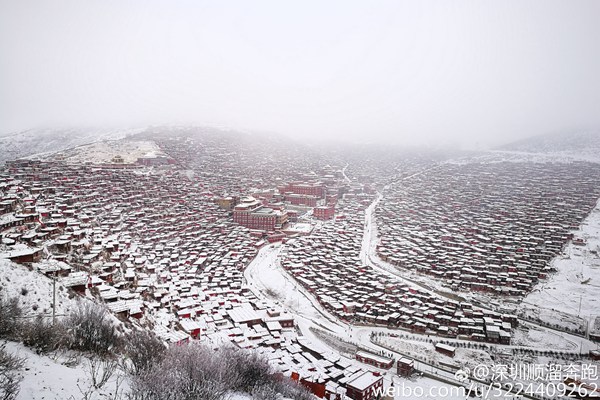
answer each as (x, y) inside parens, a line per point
(572, 141)
(462, 74)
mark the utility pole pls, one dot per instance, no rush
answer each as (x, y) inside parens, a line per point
(54, 299)
(587, 327)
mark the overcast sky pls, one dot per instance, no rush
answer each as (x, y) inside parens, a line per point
(413, 72)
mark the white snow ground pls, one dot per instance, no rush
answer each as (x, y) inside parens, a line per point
(45, 141)
(570, 296)
(60, 377)
(104, 151)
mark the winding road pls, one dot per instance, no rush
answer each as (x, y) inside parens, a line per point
(267, 279)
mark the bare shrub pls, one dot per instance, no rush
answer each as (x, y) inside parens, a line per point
(290, 389)
(101, 370)
(10, 314)
(265, 393)
(196, 372)
(41, 335)
(144, 350)
(250, 369)
(186, 372)
(91, 330)
(10, 379)
(272, 293)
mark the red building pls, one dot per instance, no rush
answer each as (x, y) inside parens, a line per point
(25, 256)
(276, 237)
(405, 366)
(374, 360)
(301, 199)
(365, 385)
(191, 327)
(317, 189)
(445, 349)
(292, 216)
(324, 213)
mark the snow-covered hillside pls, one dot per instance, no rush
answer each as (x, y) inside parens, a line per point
(104, 151)
(582, 145)
(62, 376)
(37, 141)
(33, 289)
(569, 297)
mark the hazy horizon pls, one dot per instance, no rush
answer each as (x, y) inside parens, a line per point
(462, 73)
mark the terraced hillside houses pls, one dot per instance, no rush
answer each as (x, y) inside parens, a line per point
(486, 227)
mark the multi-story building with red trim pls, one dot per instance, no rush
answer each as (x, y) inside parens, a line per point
(252, 214)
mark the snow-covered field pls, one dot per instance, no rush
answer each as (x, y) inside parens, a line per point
(46, 141)
(426, 351)
(570, 296)
(536, 337)
(60, 375)
(70, 376)
(105, 151)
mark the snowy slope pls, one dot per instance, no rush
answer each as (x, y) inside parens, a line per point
(570, 296)
(104, 151)
(36, 141)
(69, 376)
(60, 377)
(582, 145)
(34, 290)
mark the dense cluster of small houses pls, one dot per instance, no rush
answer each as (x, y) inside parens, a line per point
(489, 227)
(156, 247)
(327, 264)
(164, 243)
